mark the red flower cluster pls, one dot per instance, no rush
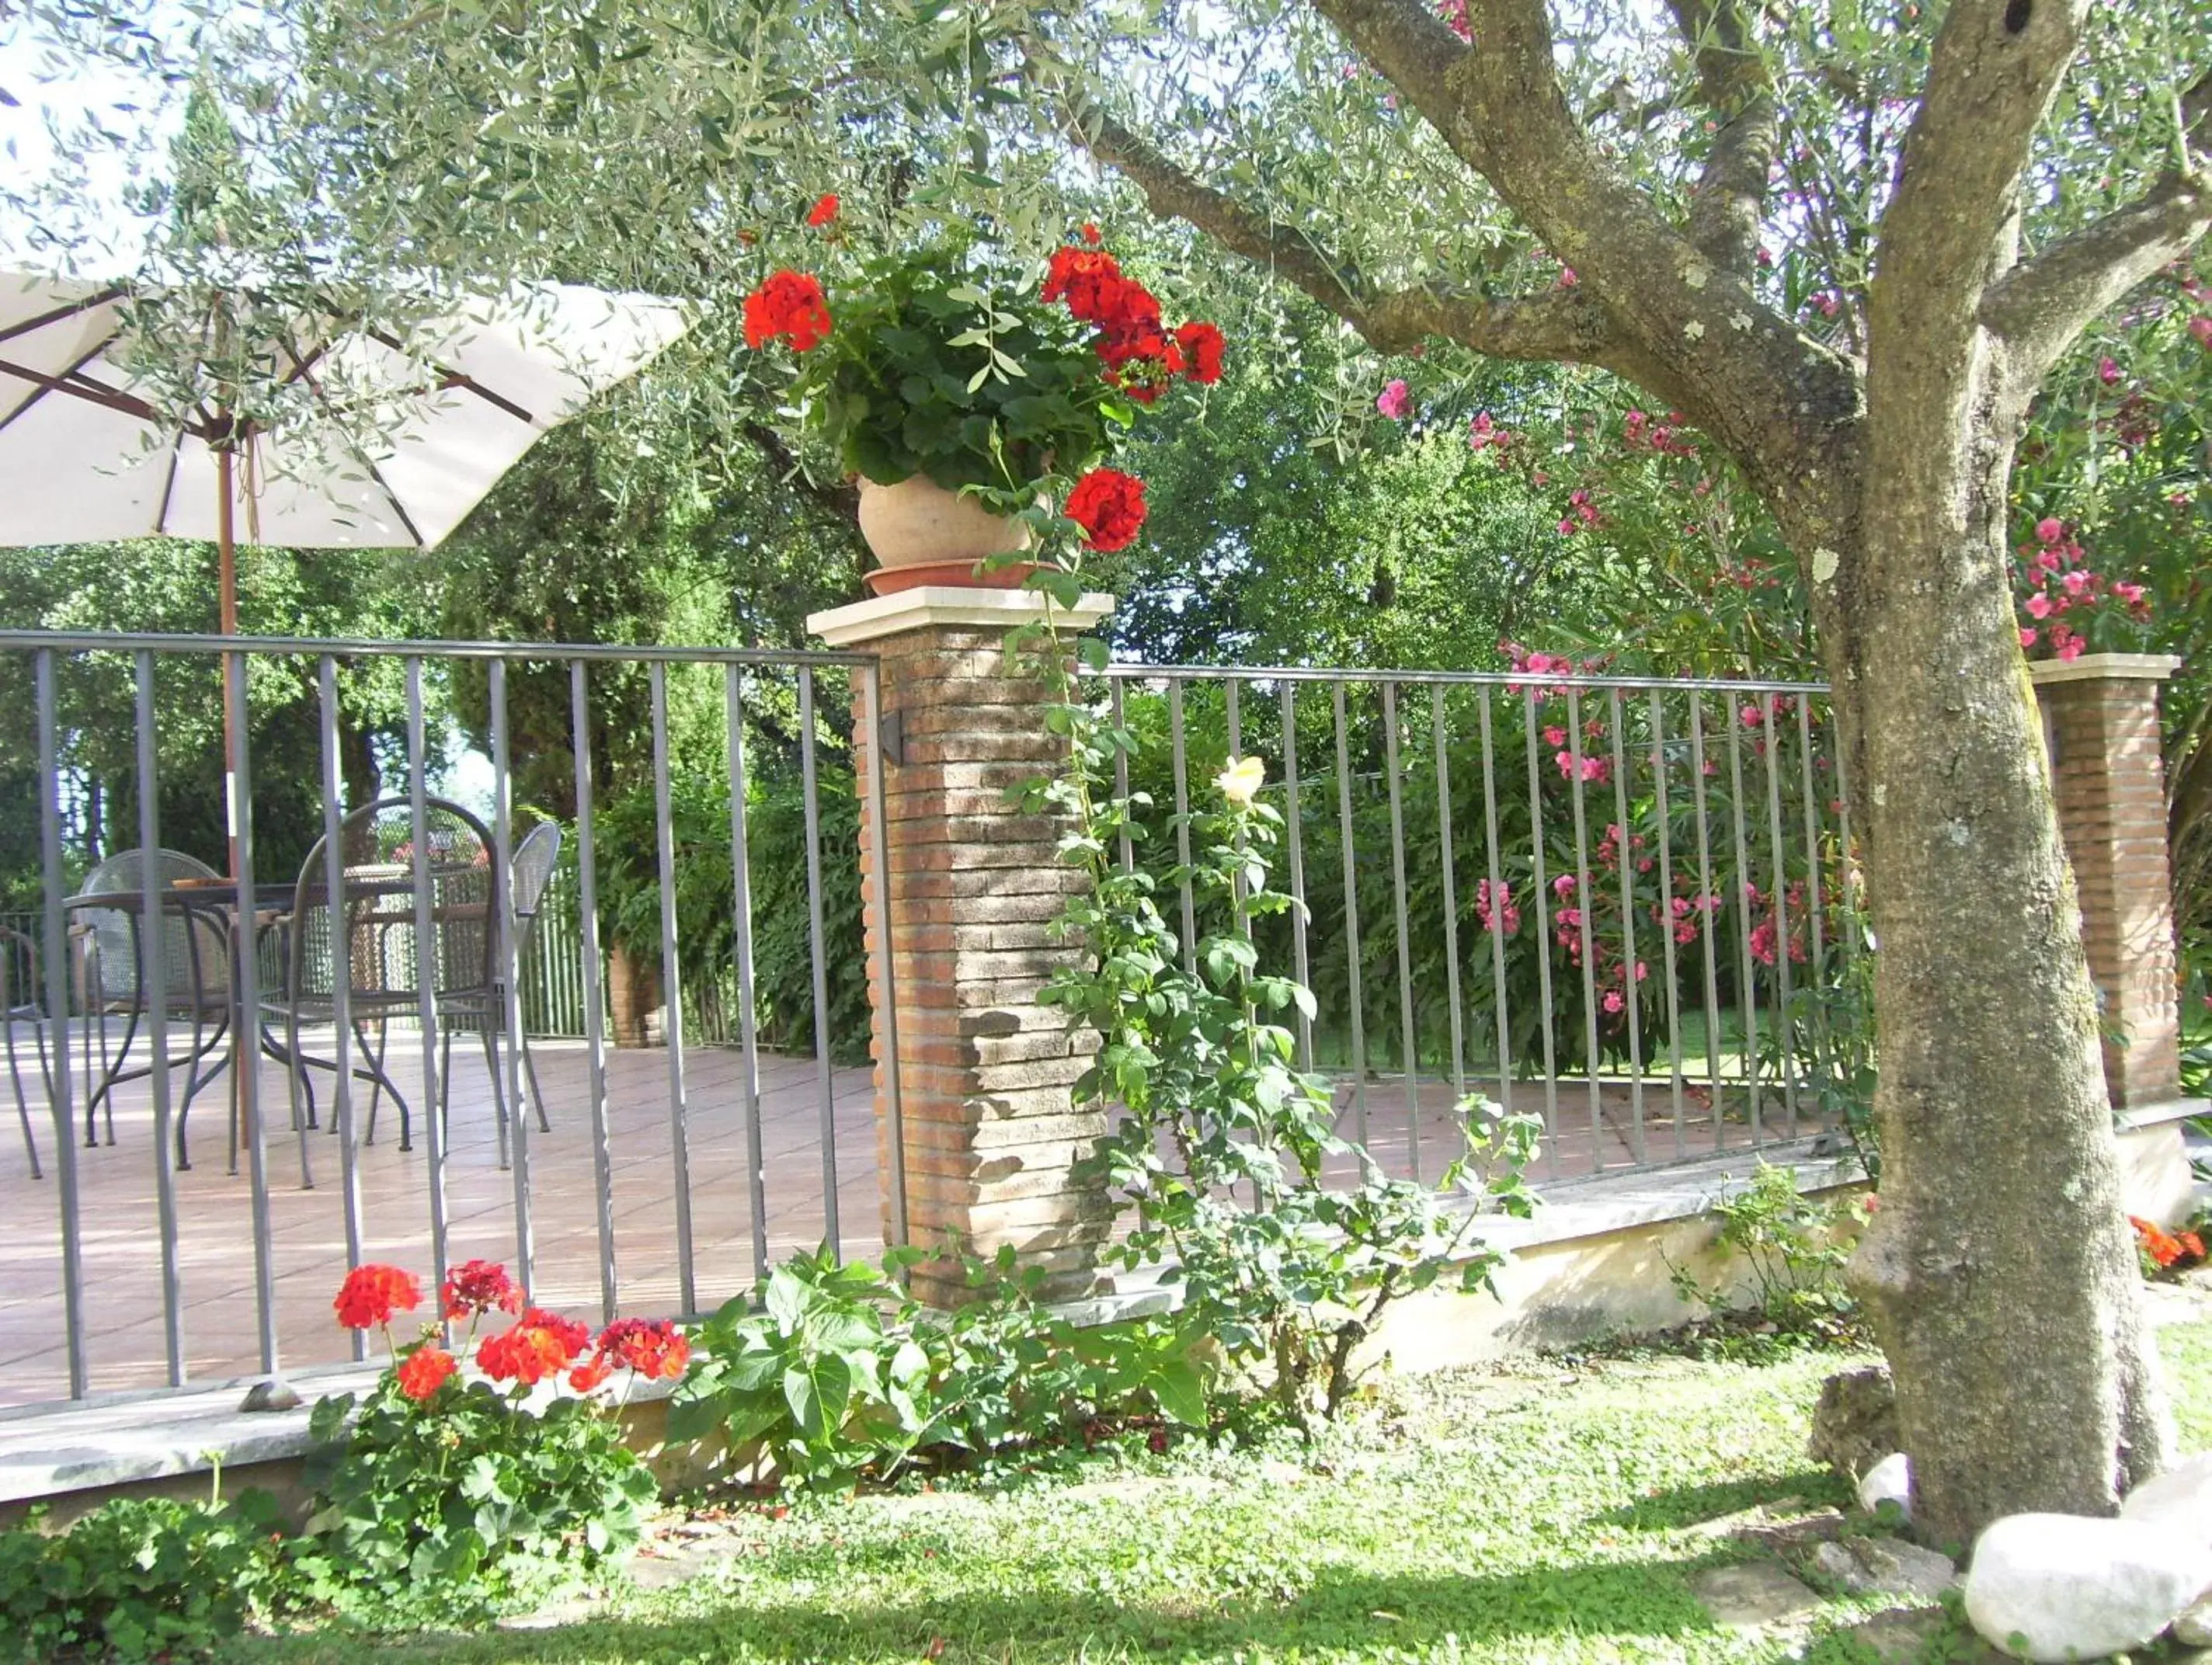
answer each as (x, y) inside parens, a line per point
(2167, 1249)
(1139, 353)
(423, 1371)
(372, 1293)
(654, 1348)
(788, 306)
(537, 1345)
(476, 1287)
(823, 211)
(1110, 505)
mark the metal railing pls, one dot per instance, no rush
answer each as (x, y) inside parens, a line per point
(1621, 903)
(577, 1203)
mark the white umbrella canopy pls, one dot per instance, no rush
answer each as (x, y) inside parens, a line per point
(371, 440)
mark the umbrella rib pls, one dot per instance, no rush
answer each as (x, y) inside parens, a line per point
(72, 383)
(302, 371)
(449, 377)
(60, 312)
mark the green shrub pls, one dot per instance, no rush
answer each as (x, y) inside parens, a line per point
(838, 1375)
(1795, 1248)
(139, 1578)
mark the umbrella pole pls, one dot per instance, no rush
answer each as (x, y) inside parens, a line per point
(227, 587)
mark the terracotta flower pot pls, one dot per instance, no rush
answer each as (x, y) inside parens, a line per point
(920, 533)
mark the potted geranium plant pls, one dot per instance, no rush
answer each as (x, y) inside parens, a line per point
(960, 396)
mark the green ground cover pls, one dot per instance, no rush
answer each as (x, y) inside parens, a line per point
(1538, 1512)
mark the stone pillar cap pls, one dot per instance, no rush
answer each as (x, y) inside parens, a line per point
(862, 621)
(2133, 667)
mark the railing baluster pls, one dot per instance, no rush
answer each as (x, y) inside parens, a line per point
(1410, 1048)
(1351, 915)
(57, 1018)
(1182, 825)
(1748, 992)
(1437, 724)
(823, 1084)
(1585, 931)
(1662, 811)
(334, 866)
(1499, 901)
(246, 1059)
(1631, 969)
(153, 995)
(679, 1109)
(510, 977)
(741, 924)
(593, 995)
(1707, 908)
(1785, 1027)
(1121, 770)
(1541, 904)
(880, 873)
(1294, 831)
(426, 966)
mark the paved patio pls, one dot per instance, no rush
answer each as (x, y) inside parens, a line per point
(122, 1264)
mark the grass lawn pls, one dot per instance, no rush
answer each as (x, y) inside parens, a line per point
(1531, 1514)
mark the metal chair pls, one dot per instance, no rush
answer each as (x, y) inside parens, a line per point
(535, 859)
(382, 957)
(196, 955)
(19, 978)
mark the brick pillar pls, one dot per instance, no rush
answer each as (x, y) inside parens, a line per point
(983, 1071)
(2100, 725)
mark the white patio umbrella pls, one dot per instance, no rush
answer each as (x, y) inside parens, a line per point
(374, 440)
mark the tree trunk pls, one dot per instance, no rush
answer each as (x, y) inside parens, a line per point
(1999, 1270)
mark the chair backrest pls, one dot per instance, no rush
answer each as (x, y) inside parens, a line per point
(465, 891)
(197, 953)
(535, 858)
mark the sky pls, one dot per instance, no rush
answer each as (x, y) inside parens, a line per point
(39, 90)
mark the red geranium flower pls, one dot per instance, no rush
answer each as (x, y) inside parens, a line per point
(788, 306)
(652, 1348)
(1202, 345)
(372, 1293)
(2162, 1247)
(824, 210)
(1110, 505)
(1090, 234)
(1089, 280)
(476, 1287)
(424, 1371)
(1141, 359)
(537, 1345)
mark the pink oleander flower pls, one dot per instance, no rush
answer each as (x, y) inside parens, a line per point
(1395, 400)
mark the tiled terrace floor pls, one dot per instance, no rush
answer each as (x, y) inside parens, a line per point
(121, 1241)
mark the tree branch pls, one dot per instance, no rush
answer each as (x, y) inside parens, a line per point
(1559, 324)
(1991, 73)
(2040, 307)
(1729, 203)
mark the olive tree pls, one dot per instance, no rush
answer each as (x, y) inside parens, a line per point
(1983, 222)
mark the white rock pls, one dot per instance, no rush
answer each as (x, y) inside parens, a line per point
(1889, 1480)
(2179, 1502)
(1884, 1566)
(2193, 1628)
(2052, 1587)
